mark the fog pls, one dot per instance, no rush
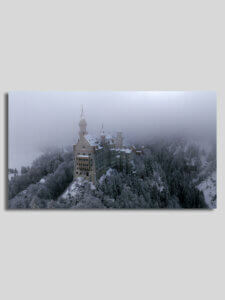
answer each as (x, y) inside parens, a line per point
(46, 119)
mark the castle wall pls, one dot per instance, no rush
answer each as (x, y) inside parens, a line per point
(91, 163)
(84, 160)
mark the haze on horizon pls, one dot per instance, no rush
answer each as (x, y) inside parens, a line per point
(38, 120)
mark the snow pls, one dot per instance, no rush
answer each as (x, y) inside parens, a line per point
(107, 174)
(76, 187)
(10, 175)
(92, 186)
(73, 188)
(94, 142)
(42, 180)
(91, 140)
(132, 163)
(80, 155)
(109, 171)
(102, 178)
(208, 187)
(71, 191)
(158, 181)
(108, 137)
(126, 150)
(80, 181)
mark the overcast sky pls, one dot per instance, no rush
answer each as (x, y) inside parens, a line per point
(40, 119)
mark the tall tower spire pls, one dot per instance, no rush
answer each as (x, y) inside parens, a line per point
(82, 124)
(102, 134)
(82, 112)
(102, 130)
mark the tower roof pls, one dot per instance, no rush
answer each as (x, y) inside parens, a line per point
(102, 131)
(82, 112)
(82, 118)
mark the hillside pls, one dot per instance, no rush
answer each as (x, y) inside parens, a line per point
(169, 174)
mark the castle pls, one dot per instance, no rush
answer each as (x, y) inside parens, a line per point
(93, 156)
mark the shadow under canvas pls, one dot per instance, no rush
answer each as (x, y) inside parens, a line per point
(6, 147)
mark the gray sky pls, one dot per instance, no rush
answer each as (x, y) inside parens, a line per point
(41, 119)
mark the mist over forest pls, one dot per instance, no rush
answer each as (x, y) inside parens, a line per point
(41, 120)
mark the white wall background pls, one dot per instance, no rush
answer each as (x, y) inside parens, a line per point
(112, 45)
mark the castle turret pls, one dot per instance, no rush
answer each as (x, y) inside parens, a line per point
(102, 135)
(82, 124)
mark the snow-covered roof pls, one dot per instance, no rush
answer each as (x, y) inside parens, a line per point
(91, 140)
(109, 139)
(94, 142)
(126, 150)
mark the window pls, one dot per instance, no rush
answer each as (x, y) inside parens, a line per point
(83, 147)
(87, 173)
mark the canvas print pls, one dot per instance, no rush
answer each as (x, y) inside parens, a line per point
(112, 150)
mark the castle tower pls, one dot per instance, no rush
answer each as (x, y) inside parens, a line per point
(82, 124)
(84, 149)
(102, 135)
(119, 140)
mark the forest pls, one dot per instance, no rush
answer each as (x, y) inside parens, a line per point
(170, 174)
